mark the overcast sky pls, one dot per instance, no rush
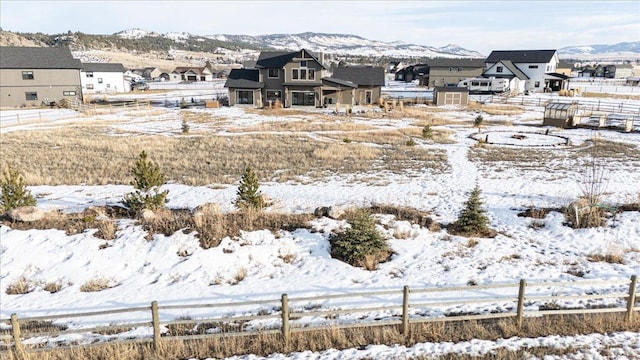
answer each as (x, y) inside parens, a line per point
(475, 25)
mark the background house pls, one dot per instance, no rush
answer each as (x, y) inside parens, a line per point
(449, 72)
(368, 81)
(35, 75)
(244, 87)
(101, 78)
(539, 66)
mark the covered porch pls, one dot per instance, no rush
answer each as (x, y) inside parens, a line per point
(555, 82)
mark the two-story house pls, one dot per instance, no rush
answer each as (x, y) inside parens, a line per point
(450, 71)
(539, 68)
(102, 78)
(300, 79)
(35, 75)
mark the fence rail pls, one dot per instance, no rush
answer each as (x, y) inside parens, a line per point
(297, 314)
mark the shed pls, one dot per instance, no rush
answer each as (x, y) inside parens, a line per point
(559, 114)
(450, 95)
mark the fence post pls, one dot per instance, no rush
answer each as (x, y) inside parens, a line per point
(523, 285)
(155, 319)
(631, 300)
(285, 319)
(405, 311)
(17, 342)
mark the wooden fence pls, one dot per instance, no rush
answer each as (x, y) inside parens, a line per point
(349, 310)
(584, 104)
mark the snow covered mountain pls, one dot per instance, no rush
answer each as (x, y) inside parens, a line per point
(339, 44)
(346, 44)
(623, 47)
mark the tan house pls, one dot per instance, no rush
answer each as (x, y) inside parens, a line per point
(190, 73)
(449, 72)
(300, 79)
(32, 76)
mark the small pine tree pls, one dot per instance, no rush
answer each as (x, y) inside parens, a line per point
(472, 219)
(185, 127)
(14, 191)
(147, 179)
(427, 133)
(248, 192)
(361, 244)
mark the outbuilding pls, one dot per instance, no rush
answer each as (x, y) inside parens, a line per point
(559, 114)
(450, 95)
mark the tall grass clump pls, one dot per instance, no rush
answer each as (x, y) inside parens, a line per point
(14, 191)
(361, 244)
(147, 179)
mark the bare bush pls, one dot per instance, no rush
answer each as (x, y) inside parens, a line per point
(97, 284)
(21, 286)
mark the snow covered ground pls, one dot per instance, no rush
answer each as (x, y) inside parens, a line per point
(141, 271)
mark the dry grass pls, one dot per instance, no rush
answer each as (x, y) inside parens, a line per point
(496, 109)
(610, 96)
(97, 284)
(261, 344)
(93, 157)
(21, 286)
(53, 286)
(608, 258)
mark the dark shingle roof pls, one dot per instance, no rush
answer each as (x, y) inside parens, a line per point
(244, 78)
(361, 75)
(521, 56)
(103, 67)
(274, 59)
(443, 89)
(331, 81)
(455, 62)
(16, 57)
(514, 69)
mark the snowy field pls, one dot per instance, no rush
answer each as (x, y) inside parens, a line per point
(141, 271)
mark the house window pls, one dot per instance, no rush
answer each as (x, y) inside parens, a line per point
(450, 68)
(27, 75)
(533, 66)
(537, 84)
(244, 97)
(31, 95)
(89, 86)
(69, 93)
(303, 63)
(499, 69)
(294, 74)
(99, 80)
(89, 73)
(273, 73)
(307, 98)
(312, 74)
(303, 74)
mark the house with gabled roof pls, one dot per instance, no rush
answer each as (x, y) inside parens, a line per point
(103, 78)
(32, 76)
(539, 66)
(450, 71)
(299, 78)
(192, 73)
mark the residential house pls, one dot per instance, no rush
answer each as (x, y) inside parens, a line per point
(32, 76)
(505, 69)
(300, 78)
(367, 79)
(450, 71)
(101, 78)
(539, 66)
(190, 73)
(564, 68)
(623, 71)
(412, 72)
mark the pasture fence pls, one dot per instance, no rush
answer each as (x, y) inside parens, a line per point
(286, 315)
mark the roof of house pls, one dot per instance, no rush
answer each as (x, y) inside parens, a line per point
(244, 78)
(195, 69)
(562, 64)
(361, 75)
(456, 62)
(103, 67)
(514, 70)
(521, 56)
(443, 89)
(332, 81)
(16, 57)
(278, 59)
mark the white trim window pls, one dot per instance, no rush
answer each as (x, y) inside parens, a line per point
(244, 97)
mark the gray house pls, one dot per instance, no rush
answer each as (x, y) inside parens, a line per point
(32, 76)
(300, 79)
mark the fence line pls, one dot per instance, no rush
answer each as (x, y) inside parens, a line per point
(401, 307)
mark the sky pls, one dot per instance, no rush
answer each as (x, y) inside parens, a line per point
(475, 25)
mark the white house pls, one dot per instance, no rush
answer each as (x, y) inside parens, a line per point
(103, 78)
(536, 69)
